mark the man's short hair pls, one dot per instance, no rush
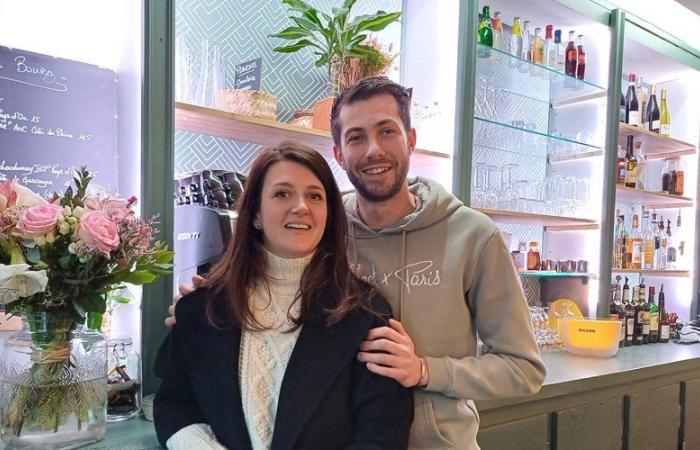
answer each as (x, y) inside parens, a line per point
(367, 88)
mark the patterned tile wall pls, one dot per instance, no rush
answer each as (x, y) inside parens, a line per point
(241, 29)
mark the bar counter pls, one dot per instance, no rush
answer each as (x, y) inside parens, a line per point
(586, 402)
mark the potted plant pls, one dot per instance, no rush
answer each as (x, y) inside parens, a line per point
(59, 260)
(334, 39)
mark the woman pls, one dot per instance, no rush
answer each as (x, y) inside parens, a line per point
(264, 351)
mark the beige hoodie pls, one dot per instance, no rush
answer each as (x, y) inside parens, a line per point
(448, 276)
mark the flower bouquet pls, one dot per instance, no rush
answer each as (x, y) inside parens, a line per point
(58, 261)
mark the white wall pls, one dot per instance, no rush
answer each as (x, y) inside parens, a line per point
(106, 33)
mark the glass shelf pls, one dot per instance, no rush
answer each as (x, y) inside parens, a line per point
(550, 274)
(505, 136)
(656, 273)
(507, 71)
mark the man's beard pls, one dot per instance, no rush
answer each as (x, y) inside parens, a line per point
(380, 192)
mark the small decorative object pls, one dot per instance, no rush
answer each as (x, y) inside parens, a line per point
(58, 261)
(248, 102)
(124, 378)
(303, 118)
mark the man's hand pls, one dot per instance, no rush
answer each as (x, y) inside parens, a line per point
(397, 358)
(183, 290)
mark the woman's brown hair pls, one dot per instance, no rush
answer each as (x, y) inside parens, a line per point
(242, 265)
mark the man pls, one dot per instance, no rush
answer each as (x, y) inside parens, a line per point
(444, 269)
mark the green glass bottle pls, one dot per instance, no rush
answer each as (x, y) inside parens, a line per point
(486, 28)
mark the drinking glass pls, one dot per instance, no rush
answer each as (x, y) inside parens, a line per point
(211, 78)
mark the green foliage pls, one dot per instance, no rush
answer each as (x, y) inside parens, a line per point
(332, 37)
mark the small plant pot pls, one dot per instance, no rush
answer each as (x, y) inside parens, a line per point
(322, 114)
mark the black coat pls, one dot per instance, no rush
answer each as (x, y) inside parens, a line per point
(328, 399)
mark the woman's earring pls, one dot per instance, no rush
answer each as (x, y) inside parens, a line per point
(258, 226)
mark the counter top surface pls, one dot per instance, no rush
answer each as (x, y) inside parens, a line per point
(565, 373)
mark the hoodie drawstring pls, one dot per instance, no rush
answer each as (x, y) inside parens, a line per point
(403, 274)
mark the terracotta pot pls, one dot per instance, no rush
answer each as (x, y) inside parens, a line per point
(322, 114)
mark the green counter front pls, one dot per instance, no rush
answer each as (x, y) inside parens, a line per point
(645, 397)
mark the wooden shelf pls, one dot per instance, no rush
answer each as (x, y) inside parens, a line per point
(655, 146)
(215, 122)
(544, 220)
(650, 199)
(656, 273)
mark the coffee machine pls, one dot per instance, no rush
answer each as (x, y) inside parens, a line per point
(204, 220)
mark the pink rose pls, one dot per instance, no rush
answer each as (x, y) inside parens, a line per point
(115, 209)
(96, 229)
(39, 220)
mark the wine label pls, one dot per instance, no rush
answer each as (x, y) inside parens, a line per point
(654, 321)
(665, 332)
(655, 124)
(634, 118)
(664, 130)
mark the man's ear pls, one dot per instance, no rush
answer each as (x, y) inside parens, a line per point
(411, 140)
(340, 159)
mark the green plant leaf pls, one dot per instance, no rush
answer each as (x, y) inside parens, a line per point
(295, 47)
(349, 4)
(364, 51)
(92, 302)
(312, 15)
(355, 41)
(325, 59)
(293, 33)
(140, 277)
(378, 22)
(297, 5)
(305, 23)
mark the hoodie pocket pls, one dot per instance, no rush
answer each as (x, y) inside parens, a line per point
(426, 434)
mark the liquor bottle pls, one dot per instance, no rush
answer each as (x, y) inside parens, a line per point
(666, 185)
(538, 47)
(637, 337)
(629, 314)
(665, 119)
(631, 168)
(671, 256)
(632, 104)
(623, 107)
(641, 166)
(661, 255)
(657, 239)
(642, 98)
(648, 242)
(617, 311)
(619, 248)
(636, 238)
(550, 48)
(497, 25)
(561, 55)
(653, 318)
(527, 43)
(621, 165)
(677, 177)
(485, 32)
(646, 312)
(581, 58)
(571, 56)
(664, 325)
(653, 114)
(516, 38)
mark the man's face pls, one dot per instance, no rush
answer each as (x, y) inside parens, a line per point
(374, 147)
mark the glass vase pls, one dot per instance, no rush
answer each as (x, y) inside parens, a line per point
(53, 385)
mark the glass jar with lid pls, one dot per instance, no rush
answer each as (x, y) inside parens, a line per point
(124, 379)
(534, 261)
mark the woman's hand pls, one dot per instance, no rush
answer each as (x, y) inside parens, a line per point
(183, 290)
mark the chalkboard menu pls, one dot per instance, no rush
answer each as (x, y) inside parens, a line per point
(55, 115)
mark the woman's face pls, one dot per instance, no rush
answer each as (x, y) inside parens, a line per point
(293, 210)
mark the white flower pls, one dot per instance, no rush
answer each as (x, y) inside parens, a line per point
(64, 228)
(72, 248)
(18, 281)
(67, 211)
(40, 240)
(78, 212)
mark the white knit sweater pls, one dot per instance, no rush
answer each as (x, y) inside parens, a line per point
(263, 357)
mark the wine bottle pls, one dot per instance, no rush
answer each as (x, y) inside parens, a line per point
(571, 56)
(665, 119)
(653, 114)
(632, 105)
(581, 58)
